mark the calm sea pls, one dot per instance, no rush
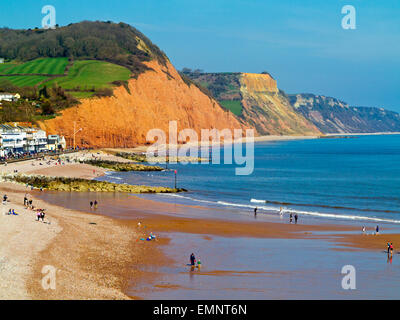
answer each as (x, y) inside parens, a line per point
(355, 178)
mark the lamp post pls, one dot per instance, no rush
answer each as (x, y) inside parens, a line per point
(75, 132)
(176, 172)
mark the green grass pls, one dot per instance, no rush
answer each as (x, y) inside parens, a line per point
(234, 106)
(85, 74)
(5, 66)
(81, 94)
(24, 81)
(91, 73)
(42, 66)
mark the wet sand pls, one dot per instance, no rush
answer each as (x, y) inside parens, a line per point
(239, 253)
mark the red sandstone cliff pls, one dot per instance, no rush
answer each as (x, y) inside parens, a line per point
(156, 97)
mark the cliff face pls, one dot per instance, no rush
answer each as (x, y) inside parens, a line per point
(269, 110)
(156, 97)
(334, 116)
(257, 101)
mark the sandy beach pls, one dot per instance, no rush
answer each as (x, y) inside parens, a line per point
(93, 255)
(99, 257)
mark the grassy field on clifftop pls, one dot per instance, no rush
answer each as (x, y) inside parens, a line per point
(82, 78)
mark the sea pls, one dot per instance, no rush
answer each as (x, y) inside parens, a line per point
(355, 178)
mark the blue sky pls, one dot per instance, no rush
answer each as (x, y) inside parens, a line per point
(301, 43)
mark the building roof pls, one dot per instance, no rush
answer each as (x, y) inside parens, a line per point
(9, 127)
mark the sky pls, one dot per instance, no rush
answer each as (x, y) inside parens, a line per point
(301, 43)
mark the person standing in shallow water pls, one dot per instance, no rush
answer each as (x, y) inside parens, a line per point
(291, 218)
(296, 217)
(192, 260)
(255, 211)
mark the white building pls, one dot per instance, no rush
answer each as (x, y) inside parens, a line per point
(55, 142)
(17, 139)
(13, 142)
(36, 140)
(6, 96)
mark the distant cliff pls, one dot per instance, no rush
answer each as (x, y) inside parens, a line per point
(331, 115)
(256, 100)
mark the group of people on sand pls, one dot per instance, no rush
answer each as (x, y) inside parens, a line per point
(94, 204)
(296, 217)
(364, 230)
(28, 203)
(11, 212)
(40, 214)
(193, 262)
(291, 216)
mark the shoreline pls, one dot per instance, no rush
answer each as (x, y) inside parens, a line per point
(362, 134)
(95, 256)
(100, 257)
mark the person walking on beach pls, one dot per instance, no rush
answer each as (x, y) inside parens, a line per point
(295, 218)
(377, 230)
(25, 200)
(192, 260)
(95, 204)
(391, 248)
(255, 211)
(91, 204)
(291, 218)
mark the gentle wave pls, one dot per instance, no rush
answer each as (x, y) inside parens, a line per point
(322, 206)
(271, 209)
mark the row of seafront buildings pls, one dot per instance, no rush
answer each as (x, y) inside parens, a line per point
(16, 139)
